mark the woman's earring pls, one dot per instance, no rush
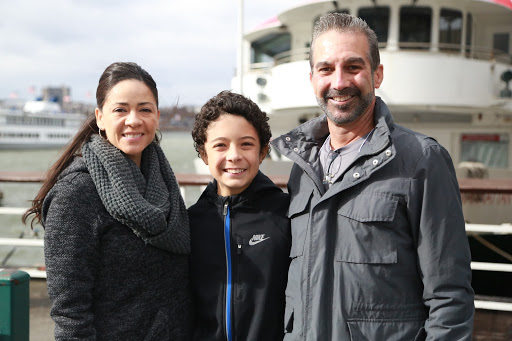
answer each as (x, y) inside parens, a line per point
(99, 132)
(158, 136)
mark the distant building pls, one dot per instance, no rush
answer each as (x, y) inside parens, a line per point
(59, 95)
(177, 118)
(12, 103)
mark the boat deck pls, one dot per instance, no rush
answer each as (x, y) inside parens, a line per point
(490, 325)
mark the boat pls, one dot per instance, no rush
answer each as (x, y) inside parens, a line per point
(447, 70)
(452, 83)
(447, 74)
(38, 124)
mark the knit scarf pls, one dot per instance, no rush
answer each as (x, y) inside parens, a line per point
(146, 199)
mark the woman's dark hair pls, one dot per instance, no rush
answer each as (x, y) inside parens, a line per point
(227, 102)
(112, 75)
(118, 72)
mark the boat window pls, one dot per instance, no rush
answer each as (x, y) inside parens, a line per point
(17, 135)
(415, 27)
(343, 10)
(469, 32)
(489, 149)
(450, 30)
(264, 49)
(378, 19)
(501, 43)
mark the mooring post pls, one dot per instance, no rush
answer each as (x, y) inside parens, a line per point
(14, 305)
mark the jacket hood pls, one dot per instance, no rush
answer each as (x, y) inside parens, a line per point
(259, 185)
(77, 166)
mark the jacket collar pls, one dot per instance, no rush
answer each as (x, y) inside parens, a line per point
(301, 145)
(384, 125)
(314, 132)
(261, 183)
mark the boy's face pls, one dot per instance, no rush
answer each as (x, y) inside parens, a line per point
(232, 152)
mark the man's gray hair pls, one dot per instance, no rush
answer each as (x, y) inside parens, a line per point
(342, 22)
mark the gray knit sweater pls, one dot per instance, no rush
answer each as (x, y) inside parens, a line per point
(104, 281)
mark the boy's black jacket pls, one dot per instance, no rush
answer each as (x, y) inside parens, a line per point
(260, 247)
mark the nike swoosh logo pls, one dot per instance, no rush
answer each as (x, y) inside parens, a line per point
(254, 242)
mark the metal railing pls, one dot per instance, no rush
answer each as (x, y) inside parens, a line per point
(467, 186)
(470, 52)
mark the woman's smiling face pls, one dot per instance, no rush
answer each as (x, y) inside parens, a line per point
(129, 117)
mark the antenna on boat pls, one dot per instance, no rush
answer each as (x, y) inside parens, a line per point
(240, 61)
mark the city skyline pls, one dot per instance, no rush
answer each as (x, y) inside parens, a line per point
(190, 50)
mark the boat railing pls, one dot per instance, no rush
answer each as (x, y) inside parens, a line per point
(291, 56)
(470, 52)
(470, 188)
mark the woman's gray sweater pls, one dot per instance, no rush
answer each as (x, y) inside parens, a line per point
(104, 281)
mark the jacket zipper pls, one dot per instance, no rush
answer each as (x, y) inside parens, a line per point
(238, 291)
(227, 244)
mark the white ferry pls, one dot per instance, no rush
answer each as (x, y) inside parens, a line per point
(447, 68)
(39, 124)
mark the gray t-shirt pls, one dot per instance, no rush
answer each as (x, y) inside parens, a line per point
(335, 162)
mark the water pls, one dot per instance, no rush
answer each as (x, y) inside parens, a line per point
(177, 146)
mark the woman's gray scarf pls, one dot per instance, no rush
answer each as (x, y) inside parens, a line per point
(151, 206)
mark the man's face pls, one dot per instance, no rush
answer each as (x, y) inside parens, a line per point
(342, 79)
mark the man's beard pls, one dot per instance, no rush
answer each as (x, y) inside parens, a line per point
(363, 102)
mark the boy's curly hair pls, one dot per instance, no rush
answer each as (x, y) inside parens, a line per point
(227, 102)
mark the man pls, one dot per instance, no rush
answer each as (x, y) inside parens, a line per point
(379, 250)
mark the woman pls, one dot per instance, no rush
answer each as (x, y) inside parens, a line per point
(116, 229)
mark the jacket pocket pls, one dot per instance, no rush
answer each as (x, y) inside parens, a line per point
(365, 230)
(299, 214)
(387, 330)
(387, 321)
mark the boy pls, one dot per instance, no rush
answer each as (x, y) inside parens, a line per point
(240, 234)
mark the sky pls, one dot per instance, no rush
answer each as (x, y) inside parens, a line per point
(189, 47)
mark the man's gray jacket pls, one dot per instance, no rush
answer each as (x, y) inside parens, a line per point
(383, 253)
